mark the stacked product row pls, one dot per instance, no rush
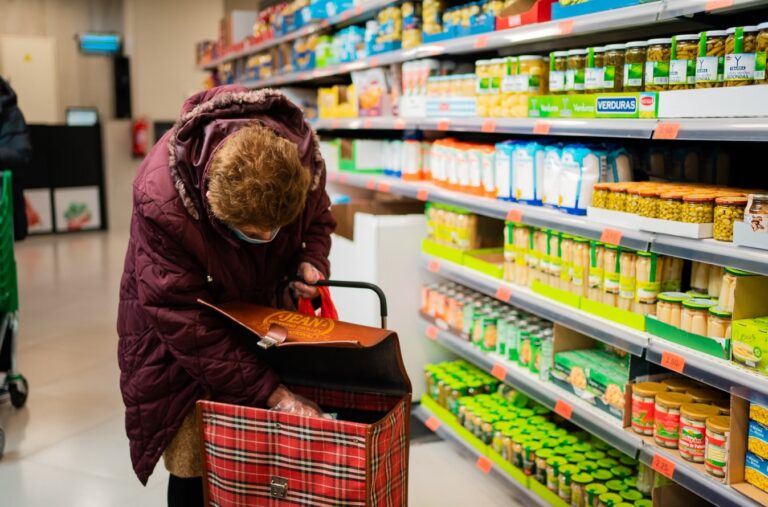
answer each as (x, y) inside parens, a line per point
(580, 469)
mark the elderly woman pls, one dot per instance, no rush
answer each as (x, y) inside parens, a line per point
(228, 206)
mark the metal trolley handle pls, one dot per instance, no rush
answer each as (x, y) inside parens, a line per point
(360, 285)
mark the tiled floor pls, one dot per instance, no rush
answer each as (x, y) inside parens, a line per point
(67, 447)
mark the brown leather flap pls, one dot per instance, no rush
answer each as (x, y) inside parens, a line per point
(309, 350)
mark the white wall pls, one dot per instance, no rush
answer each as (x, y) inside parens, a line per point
(82, 80)
(160, 40)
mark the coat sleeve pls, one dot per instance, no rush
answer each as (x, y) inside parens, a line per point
(170, 281)
(15, 148)
(320, 226)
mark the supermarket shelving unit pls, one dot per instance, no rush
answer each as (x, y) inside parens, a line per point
(654, 17)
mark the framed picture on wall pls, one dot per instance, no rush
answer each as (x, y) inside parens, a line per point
(77, 209)
(37, 203)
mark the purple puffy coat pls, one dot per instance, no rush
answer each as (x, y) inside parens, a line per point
(172, 350)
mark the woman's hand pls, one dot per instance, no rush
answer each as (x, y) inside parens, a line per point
(310, 274)
(283, 400)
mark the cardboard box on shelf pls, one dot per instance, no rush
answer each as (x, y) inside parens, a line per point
(379, 205)
(674, 495)
(738, 452)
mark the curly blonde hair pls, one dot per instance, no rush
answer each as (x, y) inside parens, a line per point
(256, 179)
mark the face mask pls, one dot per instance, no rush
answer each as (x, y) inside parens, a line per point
(254, 241)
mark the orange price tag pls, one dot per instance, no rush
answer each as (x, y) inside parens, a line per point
(422, 194)
(367, 124)
(432, 332)
(504, 293)
(481, 41)
(336, 124)
(433, 423)
(384, 187)
(565, 27)
(563, 409)
(373, 62)
(713, 5)
(343, 178)
(666, 130)
(672, 361)
(489, 126)
(443, 124)
(358, 10)
(484, 464)
(514, 20)
(499, 372)
(433, 266)
(370, 184)
(324, 23)
(541, 128)
(663, 465)
(611, 236)
(345, 15)
(515, 215)
(399, 124)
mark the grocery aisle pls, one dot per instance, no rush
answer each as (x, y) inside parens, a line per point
(70, 436)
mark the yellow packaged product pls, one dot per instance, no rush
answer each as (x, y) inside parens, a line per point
(758, 413)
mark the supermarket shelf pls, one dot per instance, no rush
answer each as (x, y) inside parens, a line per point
(676, 8)
(601, 329)
(445, 432)
(718, 373)
(722, 129)
(358, 13)
(372, 123)
(614, 19)
(712, 252)
(529, 215)
(583, 415)
(694, 480)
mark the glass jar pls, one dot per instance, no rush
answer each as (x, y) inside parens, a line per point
(565, 481)
(522, 246)
(682, 64)
(613, 63)
(580, 277)
(695, 315)
(728, 288)
(670, 206)
(719, 323)
(555, 260)
(594, 78)
(558, 65)
(727, 211)
(718, 429)
(612, 277)
(698, 209)
(740, 48)
(617, 198)
(762, 49)
(634, 66)
(648, 282)
(627, 279)
(648, 203)
(671, 280)
(670, 307)
(579, 489)
(757, 215)
(553, 472)
(594, 491)
(700, 278)
(600, 192)
(657, 65)
(711, 59)
(566, 262)
(679, 384)
(633, 199)
(693, 417)
(574, 75)
(715, 281)
(643, 403)
(596, 271)
(666, 427)
(705, 395)
(610, 499)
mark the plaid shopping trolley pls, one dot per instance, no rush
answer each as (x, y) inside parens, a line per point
(259, 457)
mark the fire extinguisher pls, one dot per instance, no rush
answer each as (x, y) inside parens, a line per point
(140, 136)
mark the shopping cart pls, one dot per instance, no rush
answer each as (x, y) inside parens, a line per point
(14, 383)
(253, 456)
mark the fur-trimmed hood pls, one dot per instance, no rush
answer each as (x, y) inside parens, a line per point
(208, 117)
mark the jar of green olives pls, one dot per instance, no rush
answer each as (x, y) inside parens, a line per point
(657, 65)
(613, 65)
(727, 211)
(600, 194)
(711, 59)
(740, 47)
(698, 209)
(649, 201)
(682, 63)
(633, 199)
(634, 66)
(671, 206)
(617, 198)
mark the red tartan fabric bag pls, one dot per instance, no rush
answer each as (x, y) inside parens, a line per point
(253, 456)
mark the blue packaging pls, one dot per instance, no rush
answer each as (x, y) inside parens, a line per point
(503, 170)
(527, 172)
